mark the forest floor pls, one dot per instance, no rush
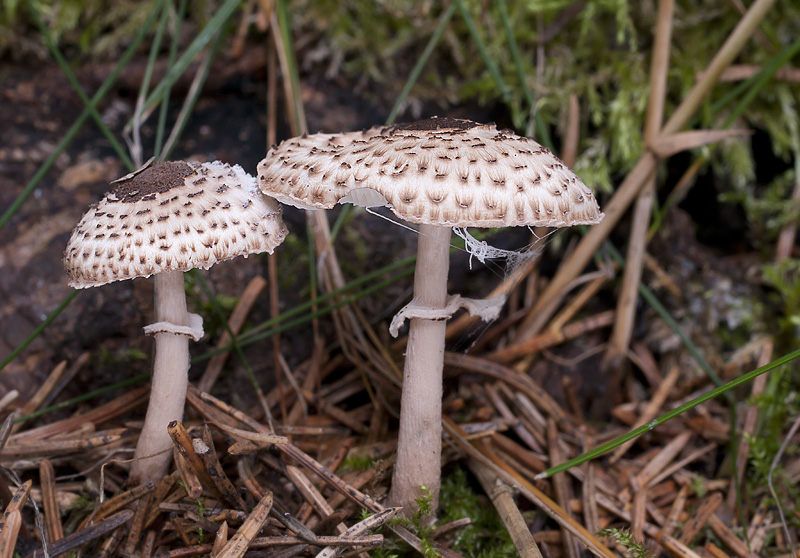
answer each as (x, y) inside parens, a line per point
(514, 407)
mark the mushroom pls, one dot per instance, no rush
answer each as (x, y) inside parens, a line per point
(163, 220)
(439, 173)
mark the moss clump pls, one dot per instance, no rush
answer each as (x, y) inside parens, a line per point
(633, 548)
(485, 536)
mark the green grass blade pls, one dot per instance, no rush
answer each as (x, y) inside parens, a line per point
(136, 148)
(543, 135)
(40, 328)
(514, 48)
(481, 46)
(85, 397)
(258, 333)
(294, 75)
(745, 92)
(366, 278)
(206, 35)
(651, 299)
(224, 319)
(173, 52)
(189, 102)
(72, 132)
(725, 388)
(73, 81)
(337, 225)
(423, 59)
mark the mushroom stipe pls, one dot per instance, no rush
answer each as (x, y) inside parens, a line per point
(438, 173)
(163, 220)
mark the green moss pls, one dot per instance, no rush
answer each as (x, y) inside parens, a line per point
(103, 358)
(357, 462)
(485, 536)
(633, 547)
(392, 548)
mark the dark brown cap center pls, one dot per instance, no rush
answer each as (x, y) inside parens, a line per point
(157, 179)
(436, 123)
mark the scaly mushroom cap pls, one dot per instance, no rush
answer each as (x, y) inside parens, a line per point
(173, 216)
(439, 171)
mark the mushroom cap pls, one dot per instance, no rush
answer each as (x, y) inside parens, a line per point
(439, 171)
(172, 216)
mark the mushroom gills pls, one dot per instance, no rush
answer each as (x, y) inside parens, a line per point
(365, 197)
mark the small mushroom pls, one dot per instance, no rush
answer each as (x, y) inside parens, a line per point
(164, 220)
(439, 173)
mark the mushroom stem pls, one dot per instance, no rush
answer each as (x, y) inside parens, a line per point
(169, 383)
(419, 446)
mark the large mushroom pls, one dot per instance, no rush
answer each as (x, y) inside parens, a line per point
(163, 220)
(439, 173)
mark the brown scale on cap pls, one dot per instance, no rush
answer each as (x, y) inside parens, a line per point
(157, 231)
(439, 171)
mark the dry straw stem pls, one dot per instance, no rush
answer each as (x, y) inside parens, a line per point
(191, 483)
(190, 460)
(518, 425)
(551, 337)
(312, 495)
(750, 421)
(626, 304)
(789, 231)
(757, 529)
(667, 146)
(700, 517)
(240, 542)
(215, 471)
(742, 72)
(724, 533)
(118, 407)
(591, 517)
(272, 260)
(84, 536)
(561, 489)
(671, 544)
(642, 171)
(110, 544)
(533, 494)
(161, 493)
(277, 542)
(8, 537)
(8, 398)
(52, 515)
(500, 494)
(235, 323)
(650, 410)
(577, 302)
(257, 437)
(220, 540)
(522, 383)
(369, 524)
(27, 449)
(136, 528)
(350, 323)
(42, 393)
(200, 401)
(116, 503)
(15, 505)
(671, 521)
